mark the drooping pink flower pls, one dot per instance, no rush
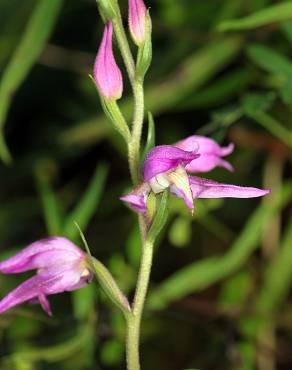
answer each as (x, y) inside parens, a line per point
(137, 20)
(61, 266)
(107, 74)
(166, 166)
(210, 153)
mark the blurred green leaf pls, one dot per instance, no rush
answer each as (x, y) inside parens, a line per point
(112, 352)
(278, 276)
(255, 103)
(50, 203)
(273, 126)
(88, 204)
(287, 29)
(34, 38)
(219, 91)
(180, 232)
(203, 273)
(236, 289)
(53, 353)
(83, 302)
(274, 13)
(286, 91)
(270, 60)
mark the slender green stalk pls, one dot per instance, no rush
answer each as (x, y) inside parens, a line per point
(138, 92)
(124, 48)
(134, 320)
(134, 144)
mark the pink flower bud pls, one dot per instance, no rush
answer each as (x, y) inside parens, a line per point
(137, 20)
(107, 74)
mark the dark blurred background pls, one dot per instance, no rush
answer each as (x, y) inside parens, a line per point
(220, 295)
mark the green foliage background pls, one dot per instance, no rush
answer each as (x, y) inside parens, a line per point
(220, 292)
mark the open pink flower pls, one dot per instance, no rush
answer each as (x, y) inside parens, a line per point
(167, 166)
(61, 266)
(107, 74)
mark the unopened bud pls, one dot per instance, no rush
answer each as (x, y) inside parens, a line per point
(107, 74)
(137, 20)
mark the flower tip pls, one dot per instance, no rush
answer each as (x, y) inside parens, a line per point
(227, 150)
(266, 191)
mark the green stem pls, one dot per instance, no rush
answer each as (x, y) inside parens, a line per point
(134, 144)
(138, 92)
(134, 320)
(124, 48)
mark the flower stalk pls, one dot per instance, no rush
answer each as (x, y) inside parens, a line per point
(134, 320)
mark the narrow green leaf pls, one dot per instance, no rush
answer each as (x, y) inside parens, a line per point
(34, 38)
(51, 206)
(274, 13)
(150, 143)
(270, 60)
(278, 277)
(287, 30)
(219, 91)
(254, 103)
(88, 204)
(110, 286)
(160, 218)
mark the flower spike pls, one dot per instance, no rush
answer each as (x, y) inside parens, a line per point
(107, 74)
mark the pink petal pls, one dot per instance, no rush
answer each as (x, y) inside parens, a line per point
(164, 158)
(181, 186)
(55, 280)
(210, 151)
(40, 254)
(137, 198)
(203, 188)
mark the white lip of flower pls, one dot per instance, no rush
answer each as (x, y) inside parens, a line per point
(159, 183)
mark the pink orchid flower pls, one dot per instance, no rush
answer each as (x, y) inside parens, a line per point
(167, 166)
(61, 266)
